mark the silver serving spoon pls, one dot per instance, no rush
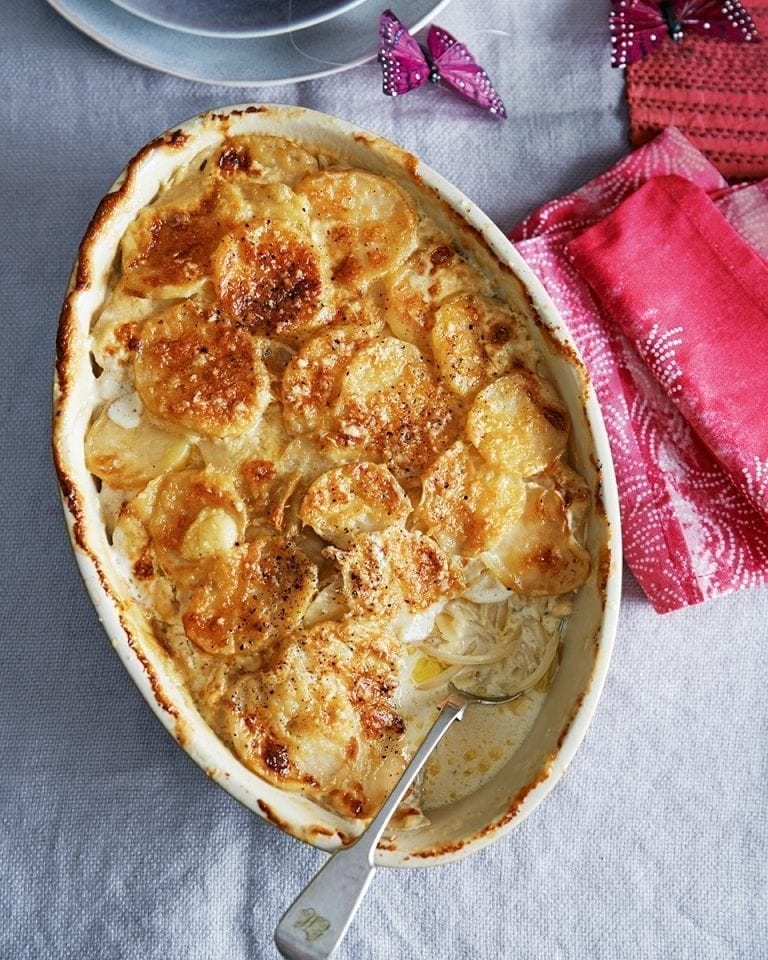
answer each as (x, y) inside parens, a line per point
(315, 923)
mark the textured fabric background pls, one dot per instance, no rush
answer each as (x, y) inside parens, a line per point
(113, 844)
(716, 93)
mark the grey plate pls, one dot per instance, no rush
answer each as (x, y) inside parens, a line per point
(329, 47)
(236, 18)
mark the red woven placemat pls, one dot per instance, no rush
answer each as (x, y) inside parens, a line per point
(714, 91)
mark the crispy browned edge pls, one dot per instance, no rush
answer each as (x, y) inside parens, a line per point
(80, 281)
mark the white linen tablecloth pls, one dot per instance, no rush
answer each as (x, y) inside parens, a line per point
(113, 843)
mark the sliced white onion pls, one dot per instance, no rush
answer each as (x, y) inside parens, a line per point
(499, 652)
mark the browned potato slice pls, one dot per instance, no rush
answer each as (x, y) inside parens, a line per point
(267, 203)
(167, 251)
(367, 223)
(197, 371)
(467, 503)
(115, 334)
(354, 498)
(543, 552)
(386, 572)
(270, 281)
(125, 457)
(261, 158)
(519, 421)
(392, 410)
(448, 509)
(474, 339)
(312, 378)
(196, 514)
(432, 274)
(252, 595)
(321, 718)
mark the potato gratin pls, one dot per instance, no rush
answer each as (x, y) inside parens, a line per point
(331, 465)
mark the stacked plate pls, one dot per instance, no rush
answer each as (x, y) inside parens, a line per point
(247, 43)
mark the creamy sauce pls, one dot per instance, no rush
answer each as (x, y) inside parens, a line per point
(474, 749)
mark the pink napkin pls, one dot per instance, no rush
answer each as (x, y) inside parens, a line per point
(672, 322)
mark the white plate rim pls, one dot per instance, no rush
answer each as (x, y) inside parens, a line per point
(81, 24)
(340, 7)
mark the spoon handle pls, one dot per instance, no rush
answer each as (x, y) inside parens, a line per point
(315, 923)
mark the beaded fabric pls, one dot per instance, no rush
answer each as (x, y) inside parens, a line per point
(714, 91)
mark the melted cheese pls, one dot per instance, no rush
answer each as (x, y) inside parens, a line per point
(323, 434)
(365, 222)
(518, 421)
(252, 595)
(432, 274)
(321, 715)
(392, 409)
(196, 371)
(387, 571)
(354, 498)
(474, 339)
(270, 282)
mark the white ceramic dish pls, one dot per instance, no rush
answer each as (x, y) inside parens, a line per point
(501, 803)
(345, 41)
(236, 18)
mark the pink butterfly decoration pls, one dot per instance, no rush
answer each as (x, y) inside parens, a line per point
(407, 65)
(638, 27)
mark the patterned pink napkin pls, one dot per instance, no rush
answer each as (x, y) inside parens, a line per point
(690, 533)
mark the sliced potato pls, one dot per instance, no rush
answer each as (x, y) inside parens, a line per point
(519, 421)
(195, 370)
(543, 552)
(321, 717)
(196, 514)
(386, 572)
(391, 409)
(261, 159)
(213, 531)
(367, 223)
(167, 251)
(312, 378)
(251, 597)
(115, 335)
(354, 498)
(433, 273)
(274, 203)
(129, 457)
(132, 542)
(270, 281)
(474, 339)
(467, 503)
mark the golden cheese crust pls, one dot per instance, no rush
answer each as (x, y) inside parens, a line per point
(269, 282)
(321, 716)
(252, 595)
(392, 408)
(388, 571)
(354, 498)
(366, 223)
(196, 371)
(317, 417)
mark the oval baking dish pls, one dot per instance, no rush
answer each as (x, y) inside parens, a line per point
(482, 815)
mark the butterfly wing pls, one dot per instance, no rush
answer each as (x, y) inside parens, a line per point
(638, 27)
(402, 60)
(458, 69)
(716, 18)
